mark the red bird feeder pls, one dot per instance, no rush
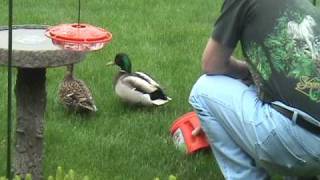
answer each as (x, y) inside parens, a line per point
(181, 131)
(79, 37)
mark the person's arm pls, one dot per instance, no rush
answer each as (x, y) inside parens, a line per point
(217, 60)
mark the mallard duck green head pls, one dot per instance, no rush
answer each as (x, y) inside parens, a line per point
(123, 61)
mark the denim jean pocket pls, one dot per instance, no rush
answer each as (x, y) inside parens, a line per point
(274, 150)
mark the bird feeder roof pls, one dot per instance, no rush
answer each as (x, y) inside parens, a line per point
(79, 37)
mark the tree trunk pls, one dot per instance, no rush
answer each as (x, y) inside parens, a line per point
(31, 103)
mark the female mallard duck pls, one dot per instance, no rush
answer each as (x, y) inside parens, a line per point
(74, 94)
(136, 87)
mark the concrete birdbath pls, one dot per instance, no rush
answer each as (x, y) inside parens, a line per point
(33, 53)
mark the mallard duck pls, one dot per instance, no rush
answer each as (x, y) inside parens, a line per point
(74, 94)
(136, 87)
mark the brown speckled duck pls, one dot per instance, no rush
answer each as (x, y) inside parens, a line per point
(136, 88)
(74, 94)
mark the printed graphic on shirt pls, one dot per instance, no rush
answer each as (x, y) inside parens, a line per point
(292, 50)
(310, 87)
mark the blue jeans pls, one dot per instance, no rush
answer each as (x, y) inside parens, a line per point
(250, 140)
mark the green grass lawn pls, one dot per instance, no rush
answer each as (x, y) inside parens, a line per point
(164, 38)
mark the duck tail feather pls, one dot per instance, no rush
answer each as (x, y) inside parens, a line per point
(89, 106)
(158, 94)
(159, 102)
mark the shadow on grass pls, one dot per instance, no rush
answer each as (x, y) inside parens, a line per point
(140, 108)
(82, 115)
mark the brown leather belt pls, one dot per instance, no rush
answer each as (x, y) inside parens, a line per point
(299, 121)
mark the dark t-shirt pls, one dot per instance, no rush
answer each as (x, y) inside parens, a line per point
(281, 42)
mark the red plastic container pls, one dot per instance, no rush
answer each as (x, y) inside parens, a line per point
(79, 37)
(181, 131)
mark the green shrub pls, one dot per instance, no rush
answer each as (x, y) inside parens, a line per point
(171, 177)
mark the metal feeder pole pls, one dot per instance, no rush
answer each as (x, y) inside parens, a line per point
(79, 11)
(9, 125)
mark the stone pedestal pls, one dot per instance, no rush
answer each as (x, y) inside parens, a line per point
(33, 52)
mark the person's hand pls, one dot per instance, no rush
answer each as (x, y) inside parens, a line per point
(197, 131)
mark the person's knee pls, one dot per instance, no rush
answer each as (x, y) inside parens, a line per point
(202, 83)
(197, 95)
(196, 91)
(219, 88)
(208, 86)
